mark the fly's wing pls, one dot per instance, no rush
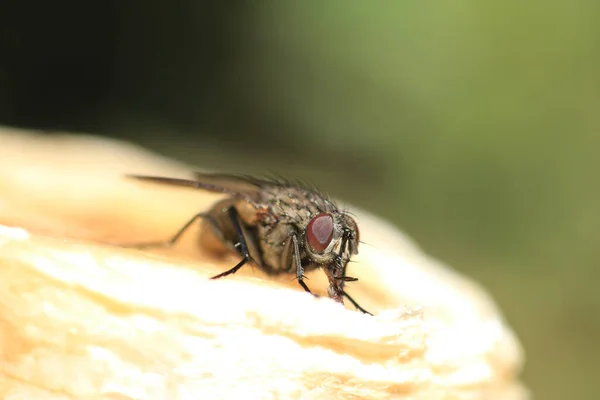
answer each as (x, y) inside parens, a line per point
(232, 183)
(241, 185)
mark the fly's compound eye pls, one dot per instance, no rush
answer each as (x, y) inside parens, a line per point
(320, 232)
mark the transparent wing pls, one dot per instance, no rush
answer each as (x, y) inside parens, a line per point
(243, 185)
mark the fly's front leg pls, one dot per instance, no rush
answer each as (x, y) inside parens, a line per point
(345, 278)
(297, 260)
(355, 304)
(242, 243)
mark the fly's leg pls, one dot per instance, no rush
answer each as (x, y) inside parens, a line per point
(242, 244)
(355, 304)
(170, 242)
(351, 279)
(298, 262)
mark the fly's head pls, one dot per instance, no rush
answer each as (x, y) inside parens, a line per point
(331, 239)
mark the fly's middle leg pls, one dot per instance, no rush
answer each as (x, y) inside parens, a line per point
(297, 260)
(242, 243)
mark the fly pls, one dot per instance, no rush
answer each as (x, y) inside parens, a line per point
(282, 227)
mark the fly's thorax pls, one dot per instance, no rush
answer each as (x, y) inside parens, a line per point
(250, 212)
(290, 204)
(276, 246)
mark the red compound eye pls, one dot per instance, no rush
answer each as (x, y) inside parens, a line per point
(320, 232)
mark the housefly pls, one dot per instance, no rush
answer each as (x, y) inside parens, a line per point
(282, 227)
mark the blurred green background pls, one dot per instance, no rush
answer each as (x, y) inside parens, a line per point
(473, 126)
